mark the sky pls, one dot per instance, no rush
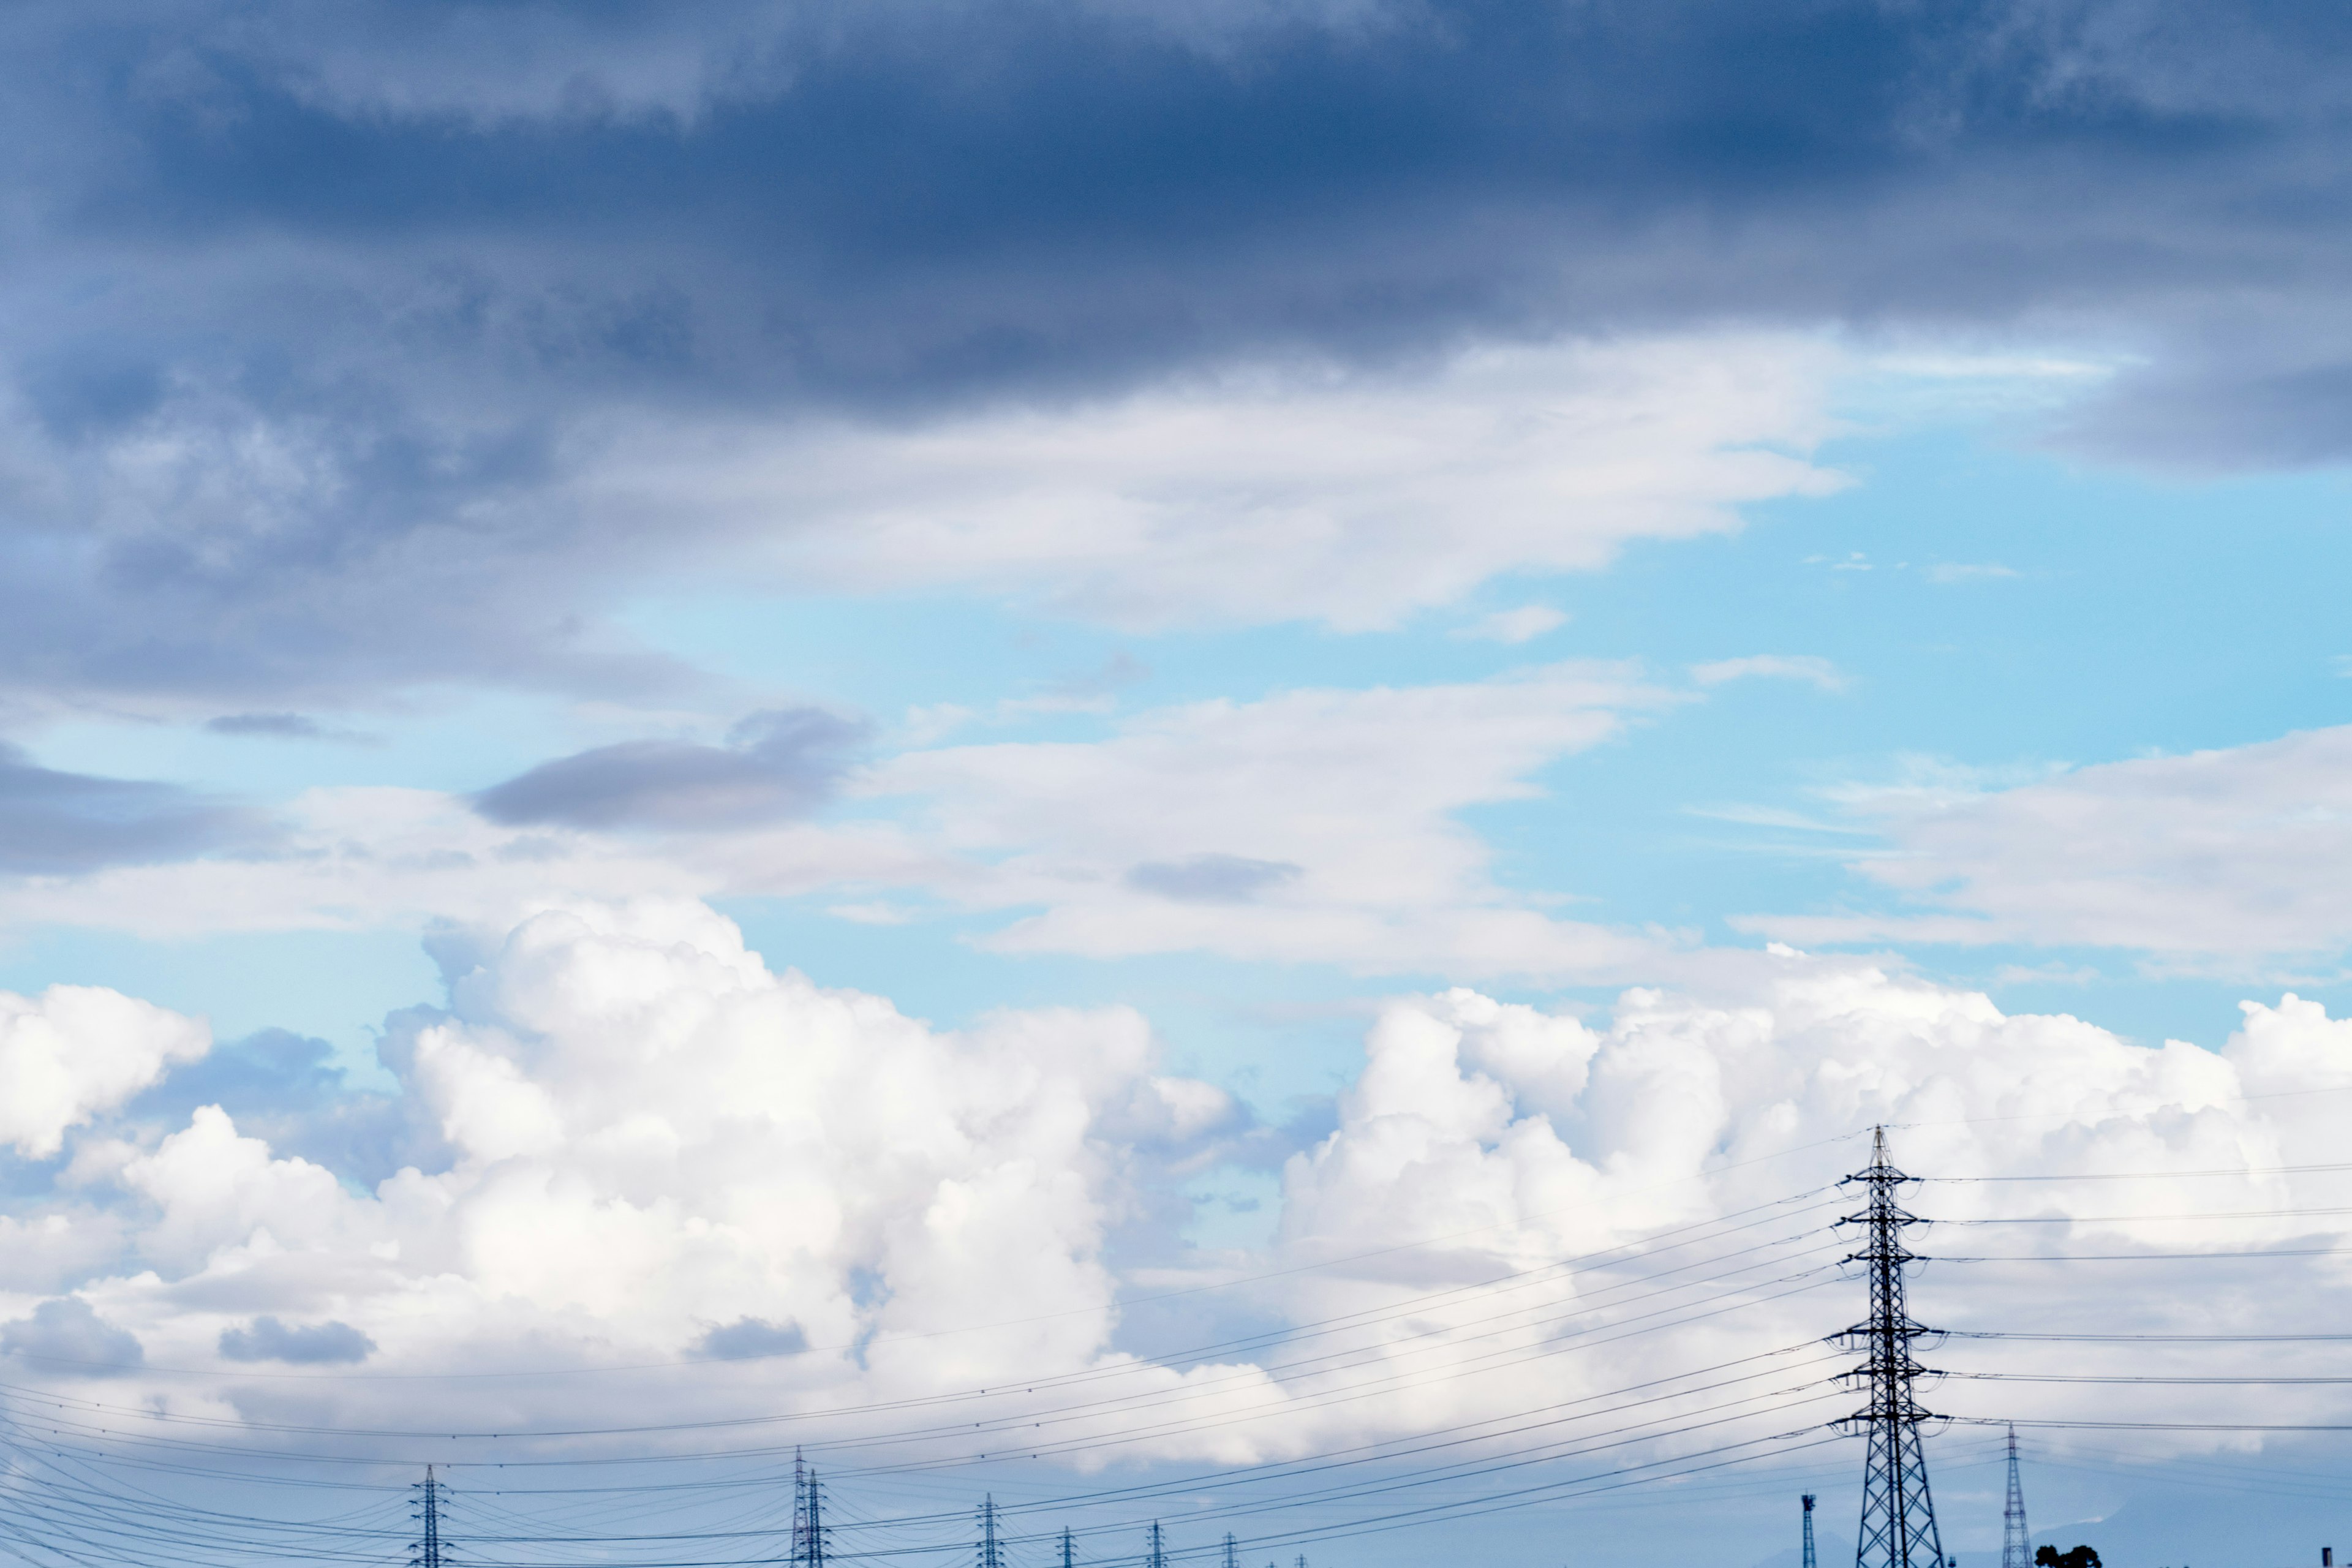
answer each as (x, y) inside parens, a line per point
(770, 713)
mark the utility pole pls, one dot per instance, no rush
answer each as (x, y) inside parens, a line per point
(1159, 1556)
(1233, 1551)
(426, 1551)
(2016, 1541)
(1811, 1561)
(992, 1555)
(1898, 1516)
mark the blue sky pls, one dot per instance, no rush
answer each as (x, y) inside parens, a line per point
(1317, 629)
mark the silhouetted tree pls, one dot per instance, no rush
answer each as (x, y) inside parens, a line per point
(2079, 1557)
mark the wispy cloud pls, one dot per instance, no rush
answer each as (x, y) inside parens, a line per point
(1524, 624)
(1773, 667)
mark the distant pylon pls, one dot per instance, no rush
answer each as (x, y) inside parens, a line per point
(992, 1555)
(1159, 1554)
(2016, 1541)
(809, 1532)
(1898, 1516)
(1233, 1551)
(426, 1551)
(1811, 1561)
(1070, 1551)
(800, 1510)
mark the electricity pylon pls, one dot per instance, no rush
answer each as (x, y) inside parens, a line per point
(1898, 1516)
(1158, 1555)
(1070, 1551)
(808, 1517)
(1811, 1561)
(1233, 1551)
(2016, 1541)
(992, 1555)
(425, 1552)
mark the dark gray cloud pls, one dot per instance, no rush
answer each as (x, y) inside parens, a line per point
(67, 1336)
(313, 310)
(53, 822)
(1211, 879)
(747, 1339)
(320, 1345)
(774, 765)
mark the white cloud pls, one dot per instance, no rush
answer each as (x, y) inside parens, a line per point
(2233, 858)
(1319, 825)
(1772, 667)
(1955, 572)
(1308, 493)
(77, 1050)
(1314, 826)
(1524, 624)
(657, 1144)
(652, 1136)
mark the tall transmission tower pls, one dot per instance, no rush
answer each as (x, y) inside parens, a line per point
(1233, 1551)
(425, 1552)
(2016, 1541)
(1811, 1560)
(1898, 1517)
(1070, 1551)
(991, 1550)
(1159, 1557)
(809, 1530)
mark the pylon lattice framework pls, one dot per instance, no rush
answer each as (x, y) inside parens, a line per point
(2016, 1541)
(991, 1553)
(425, 1552)
(1898, 1515)
(1811, 1560)
(810, 1534)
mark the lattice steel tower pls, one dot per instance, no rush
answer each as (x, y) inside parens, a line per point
(1233, 1551)
(810, 1532)
(1811, 1560)
(2016, 1541)
(425, 1552)
(992, 1554)
(1898, 1517)
(1070, 1551)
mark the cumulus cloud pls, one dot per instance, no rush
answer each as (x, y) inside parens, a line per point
(2228, 859)
(660, 1149)
(648, 1130)
(778, 764)
(77, 1050)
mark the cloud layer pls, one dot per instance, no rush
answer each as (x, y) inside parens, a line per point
(2222, 860)
(424, 336)
(654, 1149)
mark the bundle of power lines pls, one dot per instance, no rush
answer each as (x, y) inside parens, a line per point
(90, 1481)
